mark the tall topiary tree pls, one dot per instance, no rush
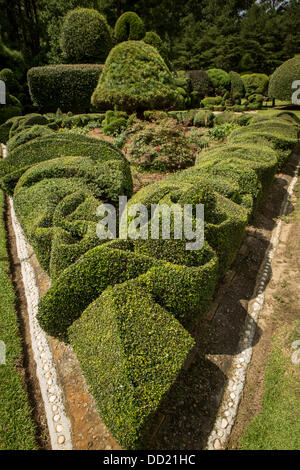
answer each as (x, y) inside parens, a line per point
(237, 86)
(85, 36)
(255, 83)
(220, 80)
(129, 27)
(154, 40)
(136, 78)
(281, 81)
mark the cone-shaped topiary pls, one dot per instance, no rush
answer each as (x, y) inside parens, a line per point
(281, 81)
(129, 27)
(136, 78)
(85, 36)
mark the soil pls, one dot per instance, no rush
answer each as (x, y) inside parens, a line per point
(187, 414)
(282, 307)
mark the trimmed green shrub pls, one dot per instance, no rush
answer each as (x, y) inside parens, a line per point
(220, 80)
(283, 137)
(255, 84)
(85, 36)
(154, 40)
(237, 86)
(131, 351)
(28, 121)
(135, 78)
(68, 87)
(116, 178)
(281, 80)
(211, 101)
(115, 127)
(26, 135)
(83, 282)
(204, 119)
(130, 27)
(201, 83)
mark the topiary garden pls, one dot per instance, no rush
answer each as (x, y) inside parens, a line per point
(116, 113)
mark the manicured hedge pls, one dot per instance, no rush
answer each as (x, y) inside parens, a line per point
(85, 36)
(26, 135)
(131, 351)
(67, 87)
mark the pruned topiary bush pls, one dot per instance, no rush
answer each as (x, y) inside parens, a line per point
(255, 84)
(220, 80)
(68, 87)
(131, 351)
(201, 83)
(85, 36)
(136, 78)
(130, 27)
(281, 80)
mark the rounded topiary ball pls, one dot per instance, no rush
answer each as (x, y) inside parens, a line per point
(281, 81)
(220, 80)
(85, 36)
(129, 27)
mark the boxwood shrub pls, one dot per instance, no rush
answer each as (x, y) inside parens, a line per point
(85, 36)
(131, 351)
(68, 87)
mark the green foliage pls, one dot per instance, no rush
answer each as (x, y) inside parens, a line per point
(281, 80)
(67, 144)
(126, 331)
(26, 135)
(201, 83)
(220, 80)
(8, 112)
(130, 27)
(212, 101)
(12, 84)
(154, 40)
(68, 87)
(85, 36)
(135, 77)
(11, 59)
(221, 131)
(204, 119)
(255, 84)
(237, 86)
(161, 145)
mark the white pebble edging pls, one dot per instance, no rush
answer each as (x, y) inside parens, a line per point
(58, 423)
(237, 376)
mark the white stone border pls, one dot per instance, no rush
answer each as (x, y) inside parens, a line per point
(58, 423)
(237, 376)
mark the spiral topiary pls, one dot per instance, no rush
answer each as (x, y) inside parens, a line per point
(129, 27)
(85, 36)
(281, 81)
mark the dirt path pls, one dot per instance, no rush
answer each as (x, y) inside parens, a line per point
(282, 308)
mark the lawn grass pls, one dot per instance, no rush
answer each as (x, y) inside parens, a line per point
(17, 430)
(277, 426)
